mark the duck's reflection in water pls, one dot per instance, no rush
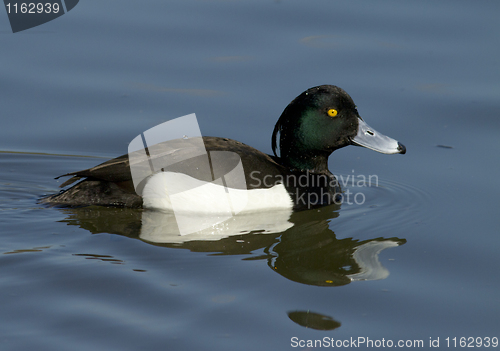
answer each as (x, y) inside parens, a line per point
(300, 246)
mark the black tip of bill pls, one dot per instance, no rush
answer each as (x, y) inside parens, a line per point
(401, 148)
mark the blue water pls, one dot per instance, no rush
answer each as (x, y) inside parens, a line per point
(77, 90)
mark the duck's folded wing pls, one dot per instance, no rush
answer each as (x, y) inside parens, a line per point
(115, 170)
(118, 170)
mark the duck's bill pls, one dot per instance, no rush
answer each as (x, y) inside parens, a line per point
(371, 139)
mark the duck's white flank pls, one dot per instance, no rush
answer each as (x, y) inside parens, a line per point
(181, 193)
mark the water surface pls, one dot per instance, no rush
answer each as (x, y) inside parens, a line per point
(417, 259)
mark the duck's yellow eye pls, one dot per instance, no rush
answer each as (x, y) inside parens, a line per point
(332, 112)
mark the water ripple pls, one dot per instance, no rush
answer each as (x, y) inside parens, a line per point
(384, 205)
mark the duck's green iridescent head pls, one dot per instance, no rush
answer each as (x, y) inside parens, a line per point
(319, 121)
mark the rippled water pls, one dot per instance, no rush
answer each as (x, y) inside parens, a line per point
(414, 258)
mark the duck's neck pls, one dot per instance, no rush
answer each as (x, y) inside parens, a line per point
(312, 163)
